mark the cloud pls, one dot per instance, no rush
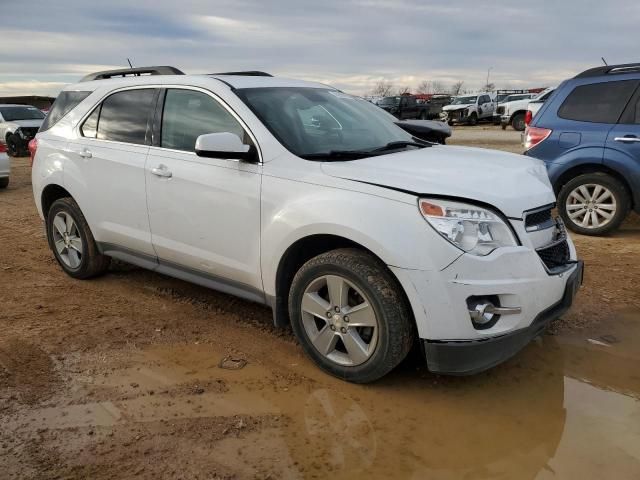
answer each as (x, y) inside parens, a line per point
(349, 43)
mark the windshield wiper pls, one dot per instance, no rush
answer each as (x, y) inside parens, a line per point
(400, 144)
(337, 155)
(357, 154)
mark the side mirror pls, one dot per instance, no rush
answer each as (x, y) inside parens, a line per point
(225, 145)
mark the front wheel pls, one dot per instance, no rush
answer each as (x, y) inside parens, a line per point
(13, 146)
(350, 315)
(72, 242)
(473, 119)
(593, 203)
(517, 122)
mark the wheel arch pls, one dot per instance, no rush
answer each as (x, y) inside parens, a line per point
(301, 251)
(50, 194)
(583, 168)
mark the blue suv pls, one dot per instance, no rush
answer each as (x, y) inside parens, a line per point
(588, 134)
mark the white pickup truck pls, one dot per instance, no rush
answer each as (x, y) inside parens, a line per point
(469, 109)
(514, 112)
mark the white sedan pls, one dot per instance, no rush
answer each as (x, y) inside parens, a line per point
(5, 166)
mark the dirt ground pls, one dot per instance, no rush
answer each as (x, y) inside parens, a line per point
(132, 376)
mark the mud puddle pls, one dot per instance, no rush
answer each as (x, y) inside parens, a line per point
(566, 407)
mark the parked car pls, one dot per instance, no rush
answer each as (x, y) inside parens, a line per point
(406, 107)
(511, 111)
(588, 134)
(364, 239)
(18, 125)
(5, 166)
(535, 104)
(469, 109)
(429, 130)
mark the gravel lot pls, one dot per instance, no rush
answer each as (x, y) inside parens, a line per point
(121, 377)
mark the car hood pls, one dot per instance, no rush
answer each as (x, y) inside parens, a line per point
(457, 107)
(26, 123)
(509, 182)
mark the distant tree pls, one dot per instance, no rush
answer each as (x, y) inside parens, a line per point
(437, 87)
(456, 88)
(489, 87)
(382, 89)
(425, 87)
(404, 90)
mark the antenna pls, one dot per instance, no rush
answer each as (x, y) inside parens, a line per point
(132, 65)
(604, 61)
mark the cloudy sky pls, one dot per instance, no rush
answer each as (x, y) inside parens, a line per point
(351, 44)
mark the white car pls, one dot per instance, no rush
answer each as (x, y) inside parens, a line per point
(367, 241)
(469, 109)
(5, 166)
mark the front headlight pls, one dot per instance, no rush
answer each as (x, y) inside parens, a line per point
(471, 228)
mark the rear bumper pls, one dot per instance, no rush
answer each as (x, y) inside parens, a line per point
(466, 357)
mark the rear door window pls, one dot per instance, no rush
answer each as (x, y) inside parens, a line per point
(124, 116)
(65, 102)
(598, 102)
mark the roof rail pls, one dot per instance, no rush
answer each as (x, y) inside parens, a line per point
(132, 72)
(249, 73)
(610, 69)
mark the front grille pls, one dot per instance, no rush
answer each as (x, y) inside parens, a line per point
(555, 255)
(538, 219)
(29, 132)
(500, 110)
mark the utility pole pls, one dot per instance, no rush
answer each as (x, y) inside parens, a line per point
(488, 71)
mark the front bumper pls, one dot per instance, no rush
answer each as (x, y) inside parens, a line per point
(467, 357)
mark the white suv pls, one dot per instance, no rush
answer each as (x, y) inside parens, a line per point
(367, 241)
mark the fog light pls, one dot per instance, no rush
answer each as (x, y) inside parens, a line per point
(486, 311)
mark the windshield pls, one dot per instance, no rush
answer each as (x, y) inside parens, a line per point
(464, 100)
(316, 121)
(389, 101)
(21, 113)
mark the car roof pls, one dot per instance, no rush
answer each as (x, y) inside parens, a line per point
(16, 105)
(232, 81)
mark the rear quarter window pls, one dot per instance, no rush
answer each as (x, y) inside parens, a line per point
(65, 102)
(598, 102)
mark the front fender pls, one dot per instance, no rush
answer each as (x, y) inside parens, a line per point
(393, 230)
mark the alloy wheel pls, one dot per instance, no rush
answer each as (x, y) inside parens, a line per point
(67, 240)
(591, 205)
(339, 320)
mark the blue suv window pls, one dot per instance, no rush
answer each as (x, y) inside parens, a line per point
(598, 102)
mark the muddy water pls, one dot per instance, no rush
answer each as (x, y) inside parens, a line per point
(567, 407)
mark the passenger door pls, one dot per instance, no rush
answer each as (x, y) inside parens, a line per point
(485, 106)
(204, 212)
(624, 141)
(106, 170)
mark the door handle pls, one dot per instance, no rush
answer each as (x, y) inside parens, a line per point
(85, 153)
(627, 139)
(162, 171)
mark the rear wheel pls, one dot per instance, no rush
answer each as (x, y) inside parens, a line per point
(517, 122)
(72, 242)
(350, 315)
(4, 182)
(593, 203)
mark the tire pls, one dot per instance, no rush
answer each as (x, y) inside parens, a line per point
(517, 122)
(76, 252)
(473, 119)
(4, 182)
(366, 281)
(13, 146)
(607, 190)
